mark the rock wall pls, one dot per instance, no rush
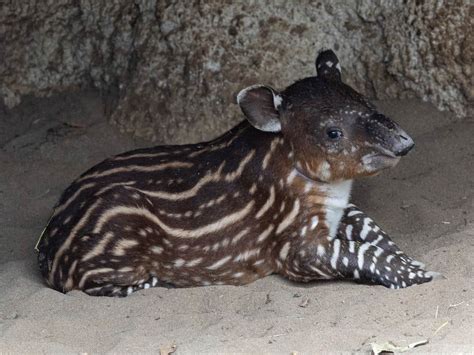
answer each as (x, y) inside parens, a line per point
(169, 70)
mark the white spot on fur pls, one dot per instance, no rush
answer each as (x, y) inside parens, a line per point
(246, 255)
(194, 262)
(361, 254)
(352, 247)
(156, 249)
(282, 207)
(378, 252)
(349, 232)
(319, 272)
(122, 245)
(314, 222)
(219, 263)
(268, 204)
(320, 250)
(291, 176)
(303, 231)
(365, 228)
(179, 262)
(225, 242)
(289, 218)
(335, 253)
(265, 234)
(239, 235)
(308, 187)
(284, 251)
(372, 268)
(253, 188)
(324, 171)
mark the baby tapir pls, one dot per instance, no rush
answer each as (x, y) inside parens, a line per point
(269, 196)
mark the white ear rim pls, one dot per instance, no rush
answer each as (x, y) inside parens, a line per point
(277, 100)
(271, 125)
(243, 92)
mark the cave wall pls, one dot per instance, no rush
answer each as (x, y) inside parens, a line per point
(169, 70)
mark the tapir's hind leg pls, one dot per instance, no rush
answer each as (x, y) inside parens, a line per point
(107, 288)
(94, 266)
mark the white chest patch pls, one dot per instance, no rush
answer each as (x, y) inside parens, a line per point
(338, 195)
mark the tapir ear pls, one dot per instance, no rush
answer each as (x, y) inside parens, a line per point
(327, 65)
(260, 105)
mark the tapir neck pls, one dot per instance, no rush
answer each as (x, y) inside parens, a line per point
(274, 167)
(273, 164)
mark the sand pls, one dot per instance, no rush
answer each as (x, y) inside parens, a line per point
(425, 203)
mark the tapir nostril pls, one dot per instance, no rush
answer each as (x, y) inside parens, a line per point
(403, 137)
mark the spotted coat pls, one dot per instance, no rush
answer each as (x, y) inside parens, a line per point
(269, 196)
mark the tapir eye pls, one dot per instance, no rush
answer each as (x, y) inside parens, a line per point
(334, 133)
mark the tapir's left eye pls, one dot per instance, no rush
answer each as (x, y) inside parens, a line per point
(334, 133)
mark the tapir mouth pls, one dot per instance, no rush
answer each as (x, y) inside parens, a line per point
(379, 161)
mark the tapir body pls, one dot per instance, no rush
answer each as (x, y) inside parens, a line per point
(269, 196)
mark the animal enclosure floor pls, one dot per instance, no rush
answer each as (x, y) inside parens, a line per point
(425, 204)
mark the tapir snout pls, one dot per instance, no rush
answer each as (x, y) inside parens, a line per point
(389, 135)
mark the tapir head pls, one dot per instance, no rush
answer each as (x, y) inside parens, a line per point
(334, 132)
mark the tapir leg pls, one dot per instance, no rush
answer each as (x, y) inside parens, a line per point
(361, 251)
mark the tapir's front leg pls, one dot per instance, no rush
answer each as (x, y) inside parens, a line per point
(356, 225)
(323, 258)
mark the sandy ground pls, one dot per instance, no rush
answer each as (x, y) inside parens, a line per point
(426, 204)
